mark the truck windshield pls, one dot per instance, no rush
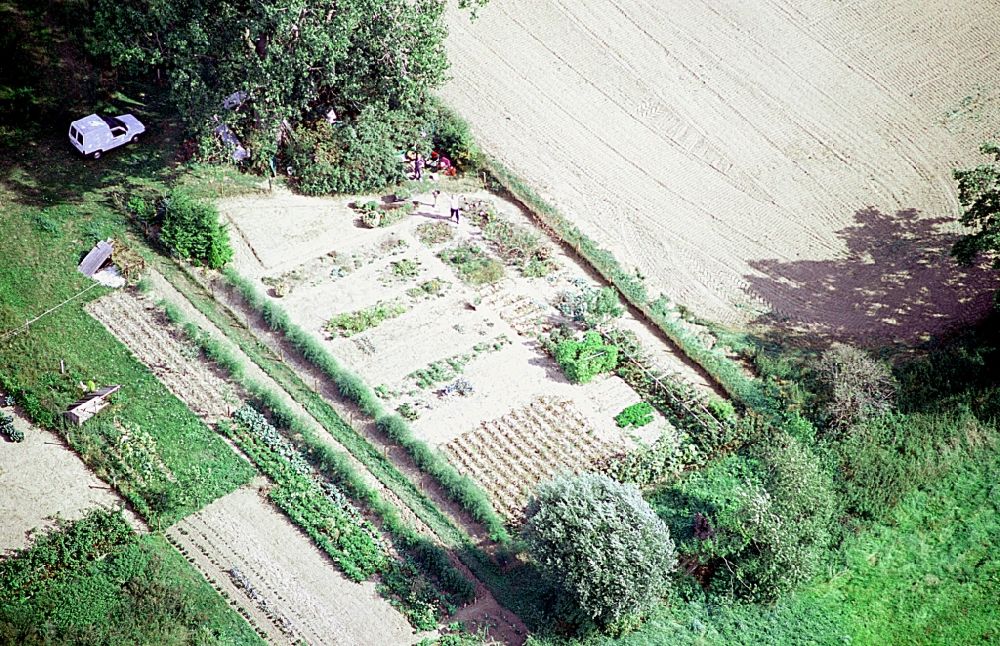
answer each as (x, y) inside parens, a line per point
(114, 123)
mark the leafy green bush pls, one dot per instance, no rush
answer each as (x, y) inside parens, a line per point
(591, 306)
(602, 545)
(635, 415)
(758, 524)
(7, 428)
(359, 156)
(473, 264)
(582, 360)
(191, 230)
(351, 323)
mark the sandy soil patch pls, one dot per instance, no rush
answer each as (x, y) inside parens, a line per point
(280, 580)
(42, 478)
(756, 162)
(143, 329)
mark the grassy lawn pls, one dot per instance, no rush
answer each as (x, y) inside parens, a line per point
(926, 576)
(97, 582)
(148, 444)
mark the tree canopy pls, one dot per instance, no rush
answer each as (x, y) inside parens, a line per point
(979, 193)
(602, 544)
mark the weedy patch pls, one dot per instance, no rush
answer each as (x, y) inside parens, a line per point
(435, 233)
(351, 323)
(473, 264)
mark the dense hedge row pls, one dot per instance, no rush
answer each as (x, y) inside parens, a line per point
(460, 488)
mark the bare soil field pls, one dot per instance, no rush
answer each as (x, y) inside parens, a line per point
(177, 363)
(281, 582)
(42, 478)
(481, 338)
(776, 162)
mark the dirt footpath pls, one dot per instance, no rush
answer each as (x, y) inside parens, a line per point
(41, 478)
(774, 162)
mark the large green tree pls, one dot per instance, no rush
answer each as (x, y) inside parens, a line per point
(289, 56)
(602, 545)
(979, 193)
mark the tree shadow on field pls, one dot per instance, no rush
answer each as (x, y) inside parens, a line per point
(896, 283)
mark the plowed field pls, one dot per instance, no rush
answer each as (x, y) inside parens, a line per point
(776, 161)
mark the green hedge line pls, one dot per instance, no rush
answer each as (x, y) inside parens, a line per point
(460, 488)
(333, 523)
(722, 369)
(431, 558)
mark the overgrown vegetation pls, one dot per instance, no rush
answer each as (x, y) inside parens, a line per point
(94, 581)
(473, 264)
(191, 230)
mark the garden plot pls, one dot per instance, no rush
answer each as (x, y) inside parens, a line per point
(41, 478)
(318, 290)
(144, 330)
(752, 160)
(508, 456)
(281, 582)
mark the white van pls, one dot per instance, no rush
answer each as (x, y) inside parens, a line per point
(95, 134)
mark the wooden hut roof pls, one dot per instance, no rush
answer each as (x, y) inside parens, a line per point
(96, 258)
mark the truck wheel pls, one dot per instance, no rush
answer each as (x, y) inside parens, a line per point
(97, 154)
(134, 139)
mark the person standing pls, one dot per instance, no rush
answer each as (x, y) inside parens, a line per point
(456, 206)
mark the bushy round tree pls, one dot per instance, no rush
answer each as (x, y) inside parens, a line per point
(602, 545)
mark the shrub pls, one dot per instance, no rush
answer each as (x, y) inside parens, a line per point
(452, 138)
(602, 546)
(758, 524)
(582, 360)
(854, 387)
(355, 157)
(191, 230)
(635, 415)
(590, 306)
(7, 428)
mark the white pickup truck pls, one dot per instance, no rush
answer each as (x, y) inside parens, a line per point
(96, 134)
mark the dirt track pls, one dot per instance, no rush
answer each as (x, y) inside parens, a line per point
(773, 161)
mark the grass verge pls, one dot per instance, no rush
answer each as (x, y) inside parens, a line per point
(148, 444)
(94, 581)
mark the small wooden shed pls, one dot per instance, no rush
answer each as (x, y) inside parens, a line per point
(99, 256)
(90, 405)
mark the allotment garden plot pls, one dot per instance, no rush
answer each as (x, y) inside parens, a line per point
(424, 312)
(42, 478)
(284, 585)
